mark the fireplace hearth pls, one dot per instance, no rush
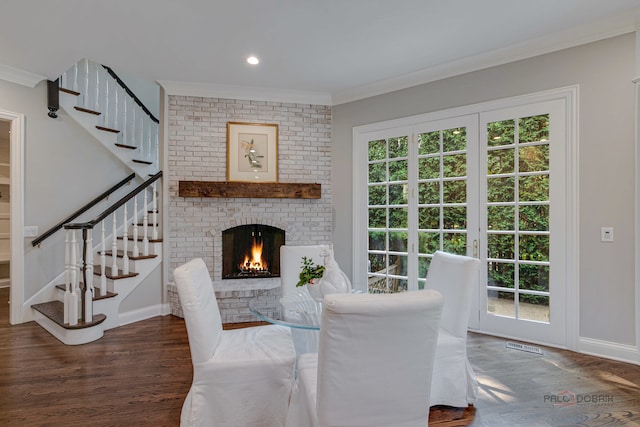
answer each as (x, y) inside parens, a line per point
(251, 251)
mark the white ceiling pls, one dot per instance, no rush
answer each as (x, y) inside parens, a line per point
(338, 50)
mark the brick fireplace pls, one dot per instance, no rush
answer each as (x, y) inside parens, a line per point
(197, 151)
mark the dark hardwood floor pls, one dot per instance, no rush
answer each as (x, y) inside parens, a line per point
(139, 374)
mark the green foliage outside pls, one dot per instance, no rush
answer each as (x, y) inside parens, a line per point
(442, 211)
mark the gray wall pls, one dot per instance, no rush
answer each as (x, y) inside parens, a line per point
(604, 71)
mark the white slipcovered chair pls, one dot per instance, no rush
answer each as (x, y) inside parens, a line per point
(375, 362)
(241, 377)
(456, 278)
(306, 341)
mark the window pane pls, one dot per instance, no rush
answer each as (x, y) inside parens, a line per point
(423, 266)
(533, 307)
(454, 165)
(428, 168)
(500, 189)
(428, 192)
(398, 241)
(454, 139)
(534, 188)
(500, 133)
(398, 170)
(429, 143)
(377, 172)
(377, 195)
(398, 147)
(534, 248)
(454, 191)
(377, 262)
(500, 161)
(429, 218)
(534, 218)
(398, 194)
(398, 217)
(501, 217)
(534, 277)
(501, 246)
(535, 128)
(455, 243)
(500, 274)
(377, 217)
(377, 150)
(454, 217)
(534, 158)
(377, 240)
(428, 243)
(501, 303)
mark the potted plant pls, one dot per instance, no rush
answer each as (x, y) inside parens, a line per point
(309, 271)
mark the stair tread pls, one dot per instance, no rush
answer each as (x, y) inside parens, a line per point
(140, 239)
(54, 310)
(120, 254)
(107, 129)
(95, 297)
(129, 147)
(86, 110)
(97, 270)
(69, 91)
(144, 162)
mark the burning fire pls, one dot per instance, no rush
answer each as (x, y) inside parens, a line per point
(254, 261)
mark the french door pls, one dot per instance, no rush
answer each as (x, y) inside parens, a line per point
(490, 185)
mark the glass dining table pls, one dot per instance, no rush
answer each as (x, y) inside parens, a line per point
(298, 310)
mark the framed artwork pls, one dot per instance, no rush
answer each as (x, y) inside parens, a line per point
(252, 152)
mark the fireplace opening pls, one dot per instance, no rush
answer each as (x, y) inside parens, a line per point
(251, 251)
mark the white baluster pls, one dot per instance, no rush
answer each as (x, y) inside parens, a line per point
(154, 210)
(125, 243)
(125, 123)
(103, 263)
(97, 90)
(67, 276)
(73, 298)
(156, 150)
(145, 224)
(134, 128)
(105, 98)
(116, 107)
(75, 77)
(114, 247)
(136, 250)
(88, 277)
(85, 95)
(148, 140)
(63, 80)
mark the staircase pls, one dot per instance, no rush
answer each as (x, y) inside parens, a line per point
(97, 278)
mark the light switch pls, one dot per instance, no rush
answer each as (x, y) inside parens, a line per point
(606, 234)
(30, 230)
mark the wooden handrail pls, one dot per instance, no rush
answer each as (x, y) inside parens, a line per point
(80, 211)
(130, 93)
(114, 207)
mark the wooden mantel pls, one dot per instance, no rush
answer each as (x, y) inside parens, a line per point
(277, 190)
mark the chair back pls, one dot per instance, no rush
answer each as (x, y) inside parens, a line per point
(200, 309)
(456, 278)
(376, 358)
(291, 263)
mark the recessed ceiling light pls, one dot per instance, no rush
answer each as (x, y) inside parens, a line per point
(253, 60)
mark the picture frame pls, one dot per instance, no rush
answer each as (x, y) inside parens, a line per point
(252, 152)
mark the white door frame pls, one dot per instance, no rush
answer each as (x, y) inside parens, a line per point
(570, 95)
(16, 182)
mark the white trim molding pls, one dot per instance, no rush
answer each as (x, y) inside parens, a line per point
(16, 181)
(21, 77)
(207, 90)
(610, 350)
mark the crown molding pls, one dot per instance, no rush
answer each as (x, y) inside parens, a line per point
(603, 29)
(245, 92)
(21, 77)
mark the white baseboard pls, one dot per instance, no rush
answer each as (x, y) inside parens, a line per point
(141, 314)
(610, 350)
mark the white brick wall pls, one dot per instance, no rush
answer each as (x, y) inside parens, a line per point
(198, 151)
